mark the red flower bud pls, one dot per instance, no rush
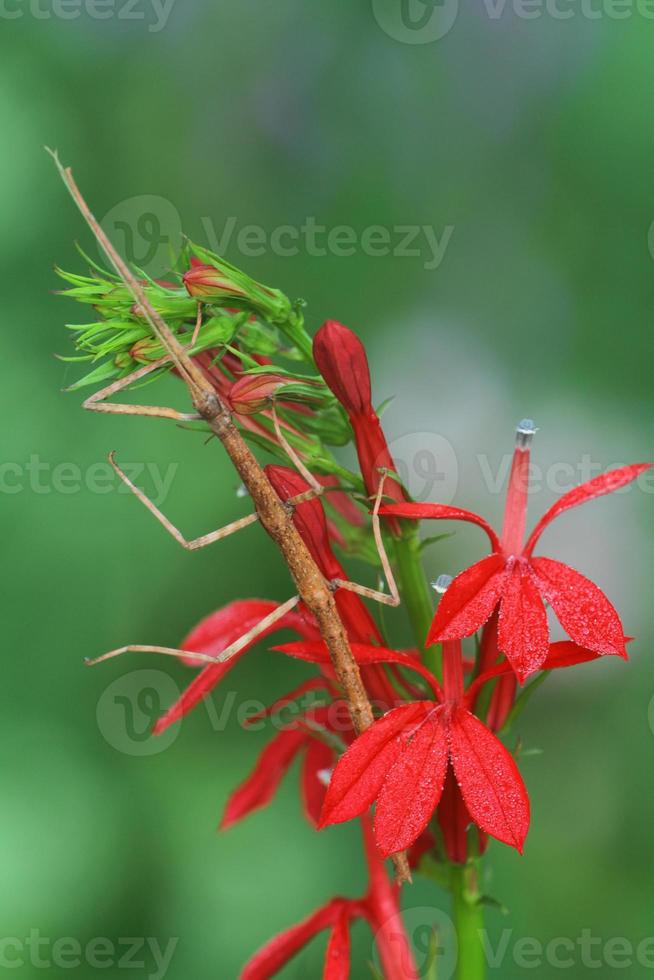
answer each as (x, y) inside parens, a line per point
(341, 359)
(146, 350)
(206, 281)
(252, 392)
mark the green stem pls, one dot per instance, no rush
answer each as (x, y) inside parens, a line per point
(415, 593)
(468, 915)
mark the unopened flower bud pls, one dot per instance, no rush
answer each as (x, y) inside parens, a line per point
(205, 281)
(214, 280)
(253, 392)
(123, 360)
(341, 359)
(146, 350)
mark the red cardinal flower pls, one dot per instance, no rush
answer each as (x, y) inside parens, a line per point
(342, 361)
(450, 761)
(336, 916)
(300, 737)
(403, 761)
(520, 583)
(218, 631)
(379, 907)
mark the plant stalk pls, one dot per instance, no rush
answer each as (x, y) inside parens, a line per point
(415, 593)
(468, 914)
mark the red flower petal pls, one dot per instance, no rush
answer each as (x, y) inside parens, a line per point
(313, 684)
(337, 958)
(360, 772)
(221, 628)
(597, 487)
(358, 622)
(492, 787)
(440, 512)
(316, 652)
(565, 653)
(308, 517)
(454, 819)
(469, 601)
(261, 785)
(214, 634)
(276, 953)
(581, 607)
(414, 785)
(318, 759)
(523, 634)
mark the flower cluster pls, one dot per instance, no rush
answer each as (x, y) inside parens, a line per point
(433, 764)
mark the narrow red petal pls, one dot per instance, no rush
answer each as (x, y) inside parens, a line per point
(275, 954)
(581, 607)
(454, 819)
(337, 958)
(201, 685)
(260, 786)
(469, 601)
(214, 634)
(358, 622)
(440, 512)
(313, 684)
(318, 760)
(316, 652)
(523, 633)
(491, 785)
(565, 653)
(221, 628)
(414, 785)
(597, 487)
(308, 517)
(360, 772)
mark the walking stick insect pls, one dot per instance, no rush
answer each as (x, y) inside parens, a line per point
(274, 515)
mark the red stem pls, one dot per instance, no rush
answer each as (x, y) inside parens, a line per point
(384, 916)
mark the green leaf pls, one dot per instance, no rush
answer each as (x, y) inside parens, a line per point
(434, 539)
(103, 373)
(521, 702)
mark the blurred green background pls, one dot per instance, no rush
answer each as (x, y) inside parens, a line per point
(531, 141)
